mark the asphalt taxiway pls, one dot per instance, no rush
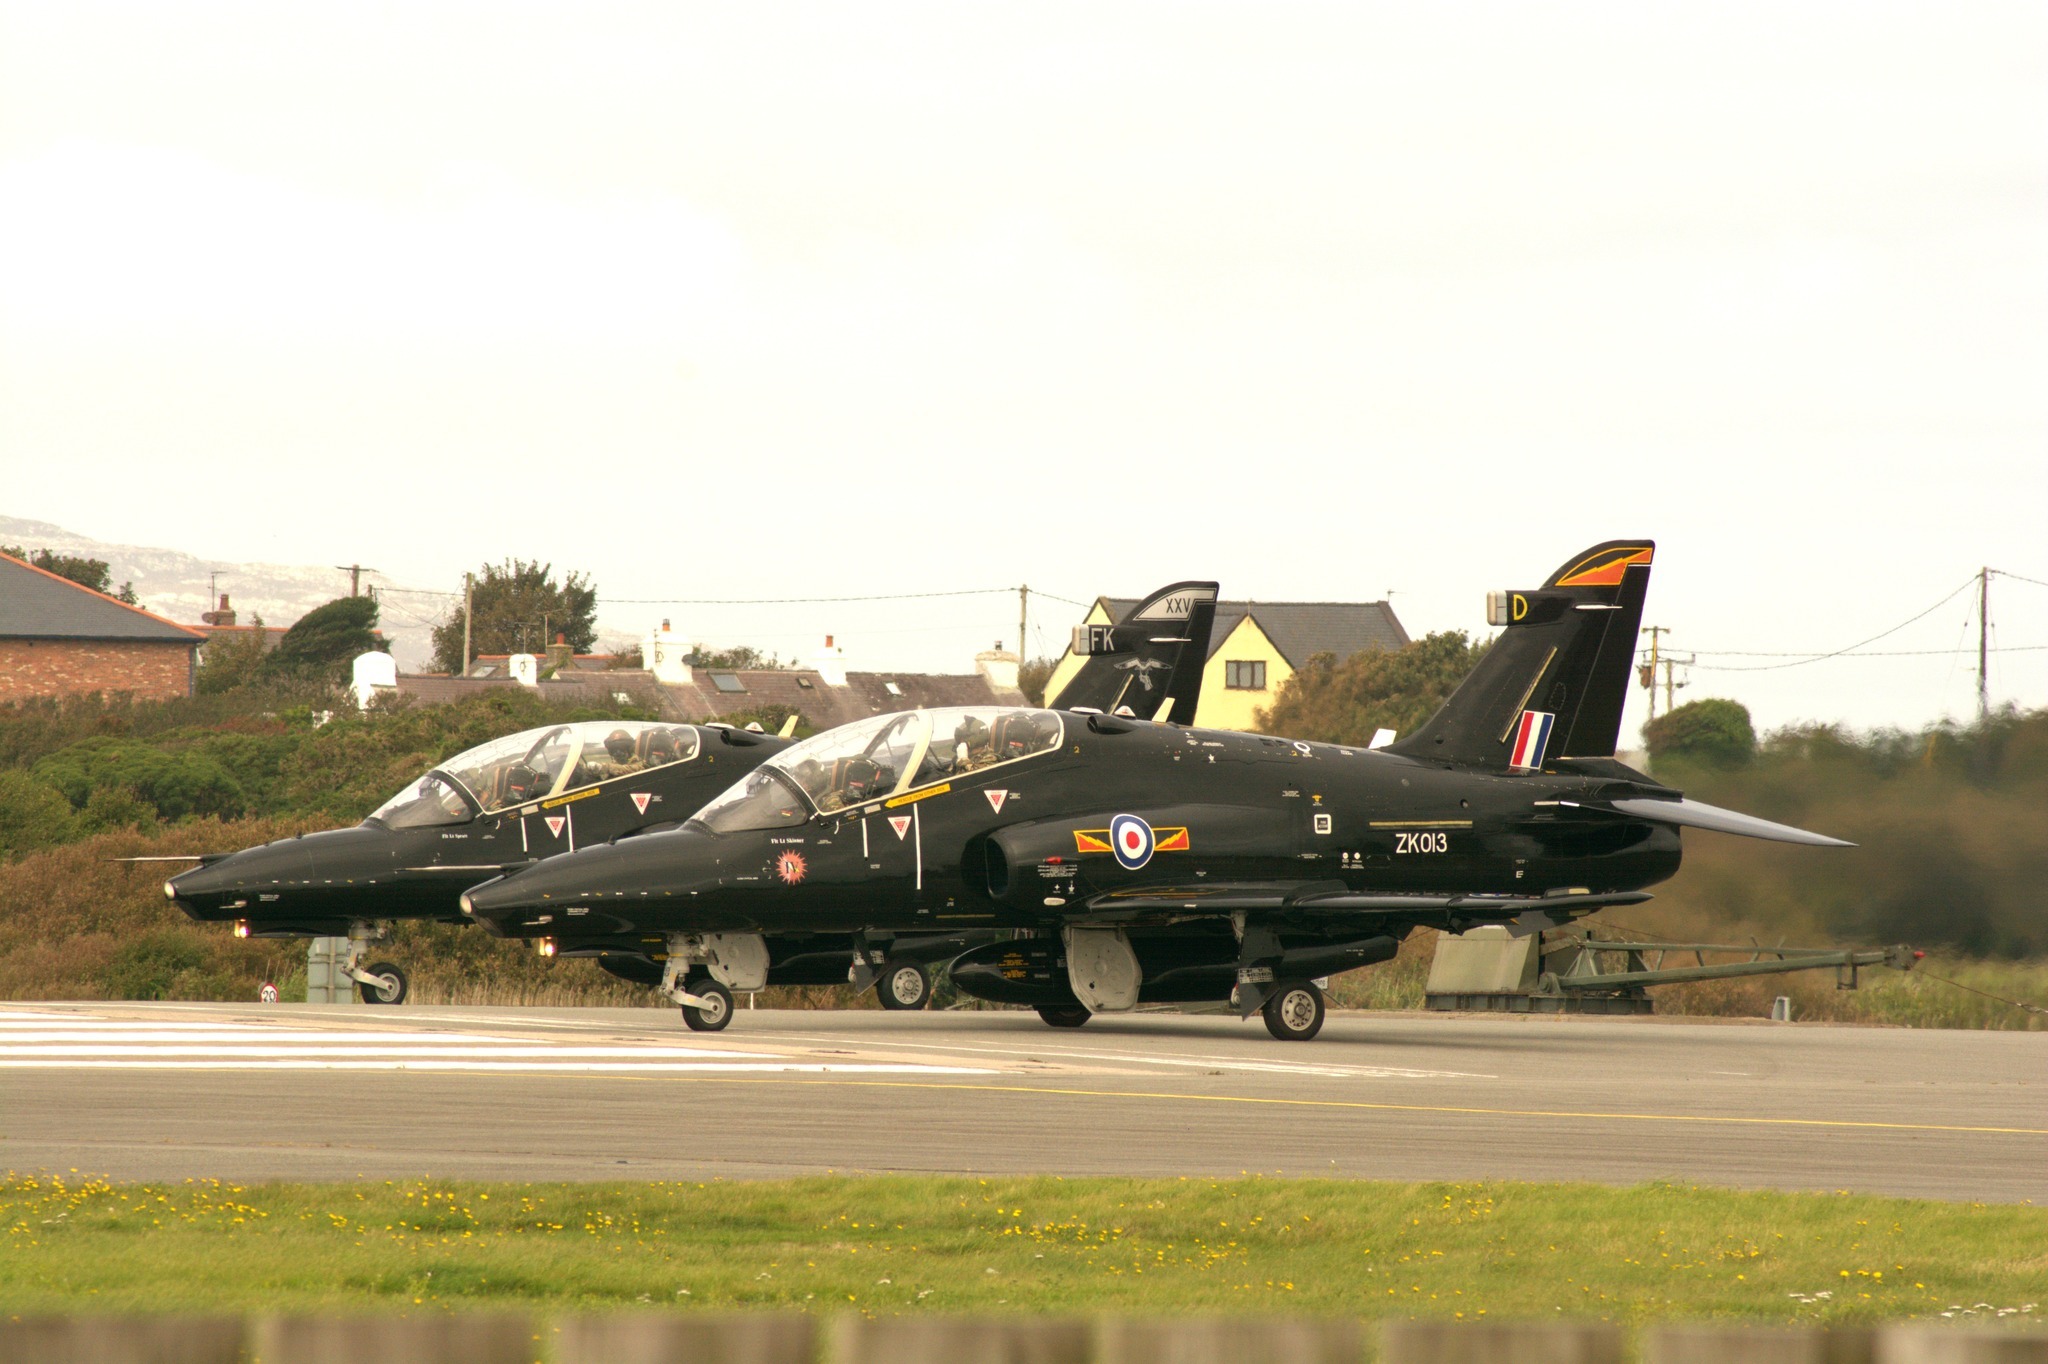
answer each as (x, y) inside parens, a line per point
(166, 1091)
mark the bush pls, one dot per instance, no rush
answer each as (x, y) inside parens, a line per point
(154, 965)
(178, 784)
(1713, 732)
(33, 815)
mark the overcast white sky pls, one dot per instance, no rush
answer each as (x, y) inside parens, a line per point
(1318, 300)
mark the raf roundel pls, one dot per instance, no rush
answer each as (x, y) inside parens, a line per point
(1130, 838)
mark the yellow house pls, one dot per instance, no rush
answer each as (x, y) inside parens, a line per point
(1256, 646)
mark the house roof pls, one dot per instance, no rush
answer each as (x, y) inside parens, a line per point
(37, 604)
(1299, 629)
(822, 706)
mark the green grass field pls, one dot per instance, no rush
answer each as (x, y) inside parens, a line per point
(1246, 1246)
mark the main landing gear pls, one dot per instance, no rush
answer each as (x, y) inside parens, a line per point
(1294, 1011)
(1064, 1015)
(903, 985)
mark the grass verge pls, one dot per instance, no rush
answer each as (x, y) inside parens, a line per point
(1247, 1246)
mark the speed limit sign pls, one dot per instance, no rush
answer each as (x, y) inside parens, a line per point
(268, 994)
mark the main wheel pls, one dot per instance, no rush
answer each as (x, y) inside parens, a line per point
(1064, 1015)
(392, 991)
(716, 1010)
(1294, 1011)
(904, 985)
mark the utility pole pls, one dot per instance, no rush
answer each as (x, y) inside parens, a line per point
(1646, 674)
(355, 577)
(1671, 664)
(1023, 619)
(468, 599)
(1983, 644)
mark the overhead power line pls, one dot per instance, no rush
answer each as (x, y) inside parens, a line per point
(1803, 660)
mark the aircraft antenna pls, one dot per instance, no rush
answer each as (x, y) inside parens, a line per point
(1023, 617)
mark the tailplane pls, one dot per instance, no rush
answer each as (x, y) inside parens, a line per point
(1553, 684)
(1150, 662)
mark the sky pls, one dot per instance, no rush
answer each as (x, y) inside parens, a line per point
(1321, 301)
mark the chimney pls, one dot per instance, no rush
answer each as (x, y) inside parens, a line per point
(830, 663)
(559, 653)
(224, 616)
(664, 653)
(999, 666)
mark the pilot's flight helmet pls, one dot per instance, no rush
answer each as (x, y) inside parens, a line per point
(619, 744)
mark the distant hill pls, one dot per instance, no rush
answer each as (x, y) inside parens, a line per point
(173, 583)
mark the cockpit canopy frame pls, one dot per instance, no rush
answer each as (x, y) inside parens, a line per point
(857, 766)
(535, 764)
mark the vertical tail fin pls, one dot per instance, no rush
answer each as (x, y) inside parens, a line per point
(1150, 662)
(1553, 684)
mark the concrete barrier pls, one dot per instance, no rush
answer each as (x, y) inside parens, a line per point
(1927, 1344)
(670, 1338)
(1757, 1345)
(1537, 1342)
(1202, 1341)
(948, 1340)
(121, 1340)
(472, 1338)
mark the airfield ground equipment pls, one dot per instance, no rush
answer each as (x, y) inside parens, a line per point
(1489, 970)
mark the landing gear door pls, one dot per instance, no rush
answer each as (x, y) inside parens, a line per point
(547, 828)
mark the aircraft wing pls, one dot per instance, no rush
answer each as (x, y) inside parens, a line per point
(1331, 896)
(1696, 814)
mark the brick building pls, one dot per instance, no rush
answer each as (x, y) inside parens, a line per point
(58, 639)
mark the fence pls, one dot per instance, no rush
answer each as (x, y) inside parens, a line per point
(793, 1339)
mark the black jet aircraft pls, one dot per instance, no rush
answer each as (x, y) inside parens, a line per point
(496, 807)
(526, 796)
(1136, 861)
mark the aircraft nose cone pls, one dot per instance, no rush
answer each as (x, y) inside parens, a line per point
(639, 869)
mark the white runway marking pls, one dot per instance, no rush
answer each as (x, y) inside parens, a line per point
(44, 1041)
(1196, 1062)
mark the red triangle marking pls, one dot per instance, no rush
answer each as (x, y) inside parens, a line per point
(640, 799)
(996, 799)
(901, 824)
(555, 823)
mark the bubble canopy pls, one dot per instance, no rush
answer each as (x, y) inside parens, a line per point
(880, 756)
(535, 763)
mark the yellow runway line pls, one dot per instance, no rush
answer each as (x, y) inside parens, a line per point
(1360, 1104)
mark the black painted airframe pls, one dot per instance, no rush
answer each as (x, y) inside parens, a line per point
(1135, 861)
(523, 797)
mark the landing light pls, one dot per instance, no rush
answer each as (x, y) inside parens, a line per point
(468, 905)
(241, 928)
(170, 891)
(544, 946)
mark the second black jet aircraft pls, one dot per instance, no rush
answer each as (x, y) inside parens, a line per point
(558, 788)
(1137, 861)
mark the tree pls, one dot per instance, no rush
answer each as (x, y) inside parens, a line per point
(92, 573)
(179, 784)
(1032, 677)
(326, 639)
(1399, 689)
(518, 607)
(232, 658)
(739, 658)
(33, 814)
(1714, 732)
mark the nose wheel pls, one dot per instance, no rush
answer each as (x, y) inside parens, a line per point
(1294, 1011)
(713, 1009)
(1064, 1015)
(386, 984)
(904, 985)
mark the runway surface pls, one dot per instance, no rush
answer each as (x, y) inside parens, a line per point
(166, 1091)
